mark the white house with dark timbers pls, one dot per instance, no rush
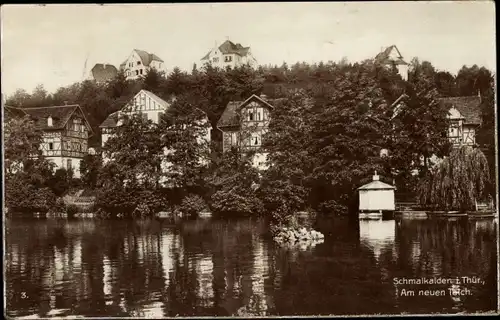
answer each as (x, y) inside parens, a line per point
(465, 119)
(65, 133)
(244, 124)
(150, 107)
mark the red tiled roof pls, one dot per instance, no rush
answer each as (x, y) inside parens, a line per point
(104, 72)
(229, 47)
(469, 107)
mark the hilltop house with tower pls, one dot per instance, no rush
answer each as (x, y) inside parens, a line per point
(390, 57)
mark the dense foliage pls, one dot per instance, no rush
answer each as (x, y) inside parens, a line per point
(457, 182)
(326, 135)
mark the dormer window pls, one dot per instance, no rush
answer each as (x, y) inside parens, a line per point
(138, 63)
(49, 121)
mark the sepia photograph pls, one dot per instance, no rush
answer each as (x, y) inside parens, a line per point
(286, 159)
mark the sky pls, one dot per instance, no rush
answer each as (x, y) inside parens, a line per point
(49, 44)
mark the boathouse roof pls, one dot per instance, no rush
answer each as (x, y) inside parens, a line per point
(376, 184)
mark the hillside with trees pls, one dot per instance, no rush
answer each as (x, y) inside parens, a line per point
(323, 140)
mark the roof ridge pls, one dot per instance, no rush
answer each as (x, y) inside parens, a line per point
(68, 105)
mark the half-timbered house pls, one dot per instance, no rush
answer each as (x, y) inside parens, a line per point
(65, 133)
(150, 107)
(465, 118)
(244, 124)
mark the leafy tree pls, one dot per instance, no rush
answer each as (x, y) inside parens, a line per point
(132, 167)
(26, 170)
(284, 189)
(89, 170)
(457, 182)
(183, 131)
(233, 185)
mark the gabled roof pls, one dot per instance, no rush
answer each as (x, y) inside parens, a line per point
(376, 185)
(229, 47)
(112, 119)
(230, 116)
(12, 112)
(145, 56)
(104, 72)
(384, 56)
(469, 107)
(60, 116)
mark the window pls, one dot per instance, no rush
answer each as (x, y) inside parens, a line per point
(138, 63)
(136, 72)
(140, 71)
(228, 58)
(250, 116)
(453, 131)
(255, 140)
(68, 164)
(215, 59)
(51, 146)
(49, 121)
(259, 114)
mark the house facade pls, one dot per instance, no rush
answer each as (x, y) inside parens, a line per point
(150, 107)
(65, 133)
(391, 57)
(229, 54)
(465, 118)
(244, 124)
(139, 62)
(146, 103)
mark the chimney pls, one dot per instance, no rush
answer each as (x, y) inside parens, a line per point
(104, 66)
(263, 96)
(66, 102)
(376, 177)
(479, 94)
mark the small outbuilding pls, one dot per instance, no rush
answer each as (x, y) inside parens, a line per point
(376, 196)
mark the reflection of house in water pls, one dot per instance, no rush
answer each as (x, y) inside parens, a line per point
(377, 234)
(204, 278)
(259, 302)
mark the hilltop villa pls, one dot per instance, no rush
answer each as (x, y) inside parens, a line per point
(244, 124)
(140, 62)
(65, 133)
(391, 57)
(229, 54)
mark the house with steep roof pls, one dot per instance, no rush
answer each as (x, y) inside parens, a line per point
(149, 105)
(103, 72)
(65, 133)
(229, 54)
(243, 125)
(139, 62)
(465, 118)
(391, 57)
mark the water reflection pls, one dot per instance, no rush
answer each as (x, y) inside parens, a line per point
(205, 267)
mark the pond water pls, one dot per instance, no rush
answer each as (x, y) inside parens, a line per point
(158, 268)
